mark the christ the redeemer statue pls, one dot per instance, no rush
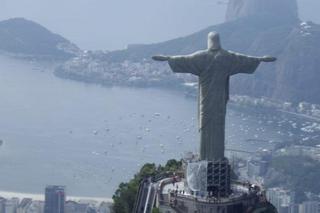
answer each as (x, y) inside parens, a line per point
(213, 66)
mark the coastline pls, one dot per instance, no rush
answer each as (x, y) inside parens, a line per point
(302, 108)
(40, 197)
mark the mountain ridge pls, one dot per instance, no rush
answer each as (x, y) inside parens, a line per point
(19, 36)
(295, 43)
(284, 10)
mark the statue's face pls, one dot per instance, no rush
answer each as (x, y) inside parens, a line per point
(214, 41)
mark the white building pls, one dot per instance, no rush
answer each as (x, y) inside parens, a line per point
(36, 207)
(282, 199)
(2, 204)
(309, 207)
(24, 205)
(11, 205)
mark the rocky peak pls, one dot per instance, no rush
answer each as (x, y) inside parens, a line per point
(278, 10)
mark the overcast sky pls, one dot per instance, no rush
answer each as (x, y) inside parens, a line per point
(112, 24)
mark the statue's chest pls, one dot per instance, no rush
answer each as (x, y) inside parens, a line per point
(217, 71)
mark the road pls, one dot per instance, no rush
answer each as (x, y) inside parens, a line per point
(146, 196)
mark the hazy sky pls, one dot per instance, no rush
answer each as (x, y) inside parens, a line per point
(112, 24)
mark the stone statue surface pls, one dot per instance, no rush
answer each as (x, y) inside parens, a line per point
(213, 66)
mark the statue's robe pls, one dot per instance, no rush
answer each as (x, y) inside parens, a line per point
(214, 68)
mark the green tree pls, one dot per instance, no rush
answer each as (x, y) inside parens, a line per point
(125, 196)
(155, 210)
(299, 173)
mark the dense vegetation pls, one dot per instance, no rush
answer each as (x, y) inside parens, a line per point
(298, 173)
(125, 195)
(263, 208)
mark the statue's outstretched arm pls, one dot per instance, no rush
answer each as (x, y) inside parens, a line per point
(268, 59)
(184, 63)
(246, 64)
(160, 58)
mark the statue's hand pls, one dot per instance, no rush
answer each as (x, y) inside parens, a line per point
(160, 58)
(268, 59)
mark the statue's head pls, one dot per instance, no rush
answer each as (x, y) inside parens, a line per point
(214, 41)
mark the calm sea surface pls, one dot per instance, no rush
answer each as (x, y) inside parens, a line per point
(91, 138)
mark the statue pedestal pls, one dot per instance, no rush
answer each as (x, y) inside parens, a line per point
(209, 178)
(219, 178)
